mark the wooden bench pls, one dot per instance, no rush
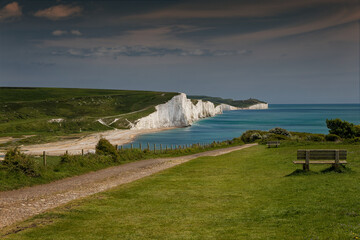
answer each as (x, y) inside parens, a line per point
(275, 143)
(335, 157)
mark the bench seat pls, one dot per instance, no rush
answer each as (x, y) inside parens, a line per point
(336, 157)
(320, 162)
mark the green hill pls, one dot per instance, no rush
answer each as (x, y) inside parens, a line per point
(25, 111)
(236, 103)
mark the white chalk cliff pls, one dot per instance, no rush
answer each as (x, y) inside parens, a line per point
(258, 106)
(181, 111)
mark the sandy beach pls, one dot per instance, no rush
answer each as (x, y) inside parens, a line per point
(87, 143)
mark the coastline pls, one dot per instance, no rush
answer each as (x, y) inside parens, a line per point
(88, 143)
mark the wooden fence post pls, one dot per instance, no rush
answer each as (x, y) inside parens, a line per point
(67, 152)
(337, 159)
(154, 148)
(44, 158)
(117, 147)
(121, 147)
(140, 146)
(148, 145)
(82, 152)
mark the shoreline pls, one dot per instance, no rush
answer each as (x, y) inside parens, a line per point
(88, 143)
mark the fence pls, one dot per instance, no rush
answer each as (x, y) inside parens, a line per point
(156, 148)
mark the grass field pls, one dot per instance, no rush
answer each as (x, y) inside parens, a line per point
(28, 111)
(249, 194)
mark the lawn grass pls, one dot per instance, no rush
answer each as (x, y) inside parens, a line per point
(246, 194)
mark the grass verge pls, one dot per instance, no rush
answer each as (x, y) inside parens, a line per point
(56, 169)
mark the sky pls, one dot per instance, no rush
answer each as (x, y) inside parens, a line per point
(279, 51)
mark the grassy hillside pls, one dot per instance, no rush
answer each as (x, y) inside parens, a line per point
(29, 110)
(236, 103)
(254, 193)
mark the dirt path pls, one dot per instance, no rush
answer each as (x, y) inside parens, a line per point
(21, 204)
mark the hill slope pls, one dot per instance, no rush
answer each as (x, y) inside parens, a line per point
(236, 103)
(64, 110)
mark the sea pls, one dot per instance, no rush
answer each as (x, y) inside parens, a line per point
(231, 124)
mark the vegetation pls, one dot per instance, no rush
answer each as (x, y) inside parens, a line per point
(52, 112)
(342, 128)
(255, 193)
(280, 131)
(236, 103)
(19, 170)
(17, 162)
(104, 147)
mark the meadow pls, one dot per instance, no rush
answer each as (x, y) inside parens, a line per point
(255, 193)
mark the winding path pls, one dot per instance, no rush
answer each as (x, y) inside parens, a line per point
(18, 205)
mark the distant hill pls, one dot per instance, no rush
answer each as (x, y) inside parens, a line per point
(67, 110)
(236, 103)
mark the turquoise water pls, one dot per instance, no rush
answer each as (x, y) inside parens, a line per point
(230, 124)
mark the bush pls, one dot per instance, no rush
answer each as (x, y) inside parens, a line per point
(250, 135)
(332, 138)
(19, 162)
(255, 136)
(315, 137)
(104, 147)
(86, 160)
(341, 128)
(355, 140)
(280, 131)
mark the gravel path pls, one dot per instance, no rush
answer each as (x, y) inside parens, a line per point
(18, 205)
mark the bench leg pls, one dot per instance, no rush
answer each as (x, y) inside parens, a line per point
(336, 166)
(306, 167)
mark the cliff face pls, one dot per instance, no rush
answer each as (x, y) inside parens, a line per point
(181, 111)
(178, 112)
(258, 106)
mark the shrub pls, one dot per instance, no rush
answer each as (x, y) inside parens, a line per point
(86, 159)
(255, 136)
(104, 147)
(280, 131)
(341, 128)
(315, 137)
(246, 136)
(17, 161)
(332, 138)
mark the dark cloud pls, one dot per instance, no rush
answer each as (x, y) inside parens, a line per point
(43, 64)
(139, 51)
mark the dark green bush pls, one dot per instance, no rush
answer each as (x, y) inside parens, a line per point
(86, 159)
(341, 128)
(332, 138)
(315, 137)
(280, 131)
(19, 162)
(251, 135)
(104, 147)
(255, 136)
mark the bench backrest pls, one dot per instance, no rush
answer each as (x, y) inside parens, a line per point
(276, 142)
(322, 154)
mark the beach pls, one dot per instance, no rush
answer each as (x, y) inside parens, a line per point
(87, 143)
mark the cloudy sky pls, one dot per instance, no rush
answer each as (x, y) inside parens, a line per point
(280, 51)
